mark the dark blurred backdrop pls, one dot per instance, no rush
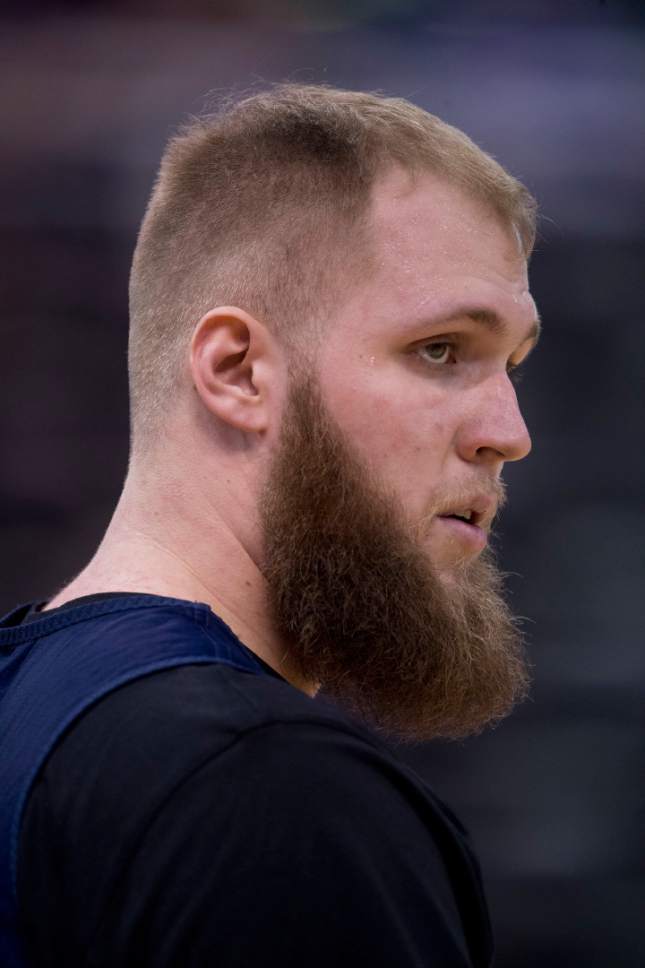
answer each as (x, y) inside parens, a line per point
(90, 91)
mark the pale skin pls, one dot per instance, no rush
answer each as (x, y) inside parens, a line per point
(431, 421)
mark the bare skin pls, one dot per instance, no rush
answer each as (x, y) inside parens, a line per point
(430, 423)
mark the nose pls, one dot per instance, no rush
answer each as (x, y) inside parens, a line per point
(494, 431)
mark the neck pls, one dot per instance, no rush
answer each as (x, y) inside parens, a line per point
(170, 545)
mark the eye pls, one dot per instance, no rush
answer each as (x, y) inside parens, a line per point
(440, 353)
(437, 353)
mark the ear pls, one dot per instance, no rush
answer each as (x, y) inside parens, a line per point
(235, 368)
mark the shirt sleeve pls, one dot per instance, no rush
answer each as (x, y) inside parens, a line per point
(296, 845)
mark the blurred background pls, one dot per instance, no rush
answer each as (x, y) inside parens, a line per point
(90, 91)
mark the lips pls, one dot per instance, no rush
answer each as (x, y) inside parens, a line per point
(476, 511)
(469, 536)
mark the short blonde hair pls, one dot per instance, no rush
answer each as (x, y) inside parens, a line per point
(264, 204)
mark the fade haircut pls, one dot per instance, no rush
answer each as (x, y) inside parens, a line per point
(264, 205)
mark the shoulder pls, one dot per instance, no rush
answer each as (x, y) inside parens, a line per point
(205, 730)
(137, 747)
(212, 732)
(203, 796)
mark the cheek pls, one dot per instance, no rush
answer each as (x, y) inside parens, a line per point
(403, 437)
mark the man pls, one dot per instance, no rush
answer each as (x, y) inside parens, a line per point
(328, 297)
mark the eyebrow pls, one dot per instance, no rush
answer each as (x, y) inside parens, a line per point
(493, 322)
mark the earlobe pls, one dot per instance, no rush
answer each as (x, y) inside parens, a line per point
(230, 363)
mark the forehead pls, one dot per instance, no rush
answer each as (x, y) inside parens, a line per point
(432, 244)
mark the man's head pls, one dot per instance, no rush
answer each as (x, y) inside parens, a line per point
(340, 319)
(267, 206)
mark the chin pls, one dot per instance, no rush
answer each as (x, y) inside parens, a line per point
(451, 571)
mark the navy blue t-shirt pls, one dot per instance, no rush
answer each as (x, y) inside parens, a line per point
(210, 815)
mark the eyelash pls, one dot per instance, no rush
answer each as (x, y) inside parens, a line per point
(512, 369)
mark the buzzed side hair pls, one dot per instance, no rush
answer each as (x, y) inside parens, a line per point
(264, 206)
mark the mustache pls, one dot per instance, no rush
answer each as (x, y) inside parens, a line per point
(493, 491)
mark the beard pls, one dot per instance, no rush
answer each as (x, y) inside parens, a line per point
(358, 603)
